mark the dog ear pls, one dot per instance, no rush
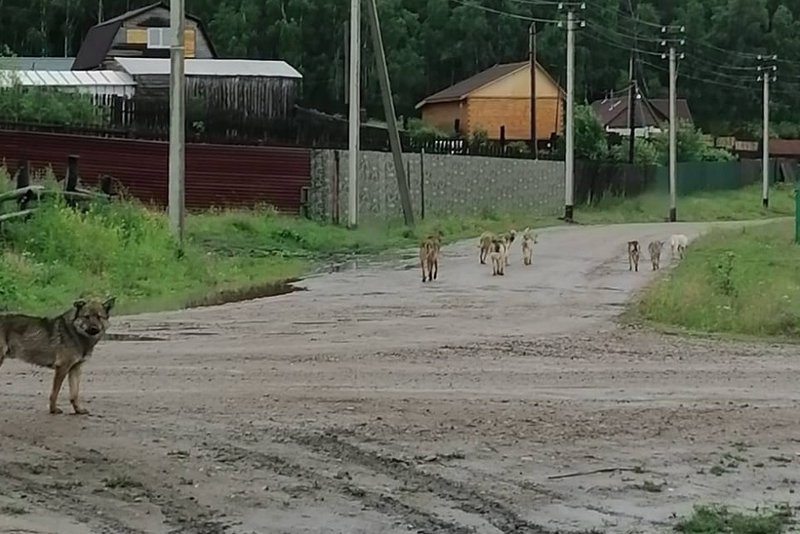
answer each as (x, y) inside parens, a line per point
(78, 304)
(109, 304)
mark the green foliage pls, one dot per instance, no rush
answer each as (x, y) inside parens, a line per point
(644, 152)
(692, 145)
(432, 44)
(590, 137)
(742, 281)
(722, 520)
(423, 133)
(46, 105)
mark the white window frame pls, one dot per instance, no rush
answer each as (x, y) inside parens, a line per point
(163, 38)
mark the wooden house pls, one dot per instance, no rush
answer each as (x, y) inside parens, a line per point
(498, 97)
(650, 115)
(239, 89)
(142, 33)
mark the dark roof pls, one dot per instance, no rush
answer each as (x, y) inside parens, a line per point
(463, 88)
(784, 147)
(613, 112)
(100, 37)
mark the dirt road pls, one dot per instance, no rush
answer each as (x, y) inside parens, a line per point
(373, 404)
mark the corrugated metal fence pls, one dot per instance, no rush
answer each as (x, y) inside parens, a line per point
(216, 175)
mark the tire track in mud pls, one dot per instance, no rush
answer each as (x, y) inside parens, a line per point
(382, 503)
(68, 492)
(461, 496)
(17, 478)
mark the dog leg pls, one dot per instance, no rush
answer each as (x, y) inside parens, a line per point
(435, 269)
(58, 381)
(75, 389)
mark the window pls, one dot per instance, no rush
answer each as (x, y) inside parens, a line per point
(157, 37)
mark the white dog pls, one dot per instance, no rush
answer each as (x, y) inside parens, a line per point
(678, 243)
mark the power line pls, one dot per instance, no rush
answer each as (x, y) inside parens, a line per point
(505, 13)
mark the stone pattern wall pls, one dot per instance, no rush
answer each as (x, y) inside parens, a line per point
(451, 185)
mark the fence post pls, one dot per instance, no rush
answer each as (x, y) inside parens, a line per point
(422, 183)
(71, 183)
(797, 212)
(23, 174)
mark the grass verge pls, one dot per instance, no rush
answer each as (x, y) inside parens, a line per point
(744, 281)
(741, 204)
(126, 250)
(721, 520)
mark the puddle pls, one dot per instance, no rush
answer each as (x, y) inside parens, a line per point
(250, 293)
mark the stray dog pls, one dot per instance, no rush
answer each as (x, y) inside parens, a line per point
(655, 248)
(486, 245)
(63, 343)
(499, 257)
(528, 240)
(678, 243)
(429, 257)
(507, 239)
(633, 255)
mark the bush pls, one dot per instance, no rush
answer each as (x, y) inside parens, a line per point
(47, 105)
(420, 132)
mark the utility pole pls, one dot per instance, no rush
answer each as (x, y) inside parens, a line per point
(99, 11)
(632, 94)
(354, 78)
(569, 160)
(177, 125)
(672, 42)
(767, 71)
(388, 108)
(532, 63)
(632, 91)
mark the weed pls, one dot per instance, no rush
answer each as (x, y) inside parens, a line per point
(121, 482)
(723, 271)
(651, 487)
(720, 520)
(13, 509)
(752, 289)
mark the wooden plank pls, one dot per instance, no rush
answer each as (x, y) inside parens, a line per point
(16, 215)
(190, 43)
(136, 36)
(17, 193)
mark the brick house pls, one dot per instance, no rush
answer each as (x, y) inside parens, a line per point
(498, 96)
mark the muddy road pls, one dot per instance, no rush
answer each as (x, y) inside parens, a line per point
(370, 403)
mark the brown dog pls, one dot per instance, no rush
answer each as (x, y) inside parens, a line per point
(633, 255)
(655, 248)
(429, 257)
(63, 343)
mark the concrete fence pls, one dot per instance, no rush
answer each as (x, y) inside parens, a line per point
(440, 184)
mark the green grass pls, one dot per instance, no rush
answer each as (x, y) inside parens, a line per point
(721, 520)
(741, 204)
(126, 250)
(738, 281)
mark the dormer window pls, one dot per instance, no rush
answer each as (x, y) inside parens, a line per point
(157, 37)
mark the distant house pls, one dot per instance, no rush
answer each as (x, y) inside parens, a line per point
(36, 63)
(650, 115)
(253, 89)
(142, 33)
(498, 97)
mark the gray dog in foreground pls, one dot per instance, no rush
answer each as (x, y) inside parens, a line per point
(63, 343)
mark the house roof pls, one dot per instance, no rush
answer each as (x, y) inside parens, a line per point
(44, 78)
(36, 63)
(613, 112)
(137, 66)
(463, 88)
(784, 147)
(100, 37)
